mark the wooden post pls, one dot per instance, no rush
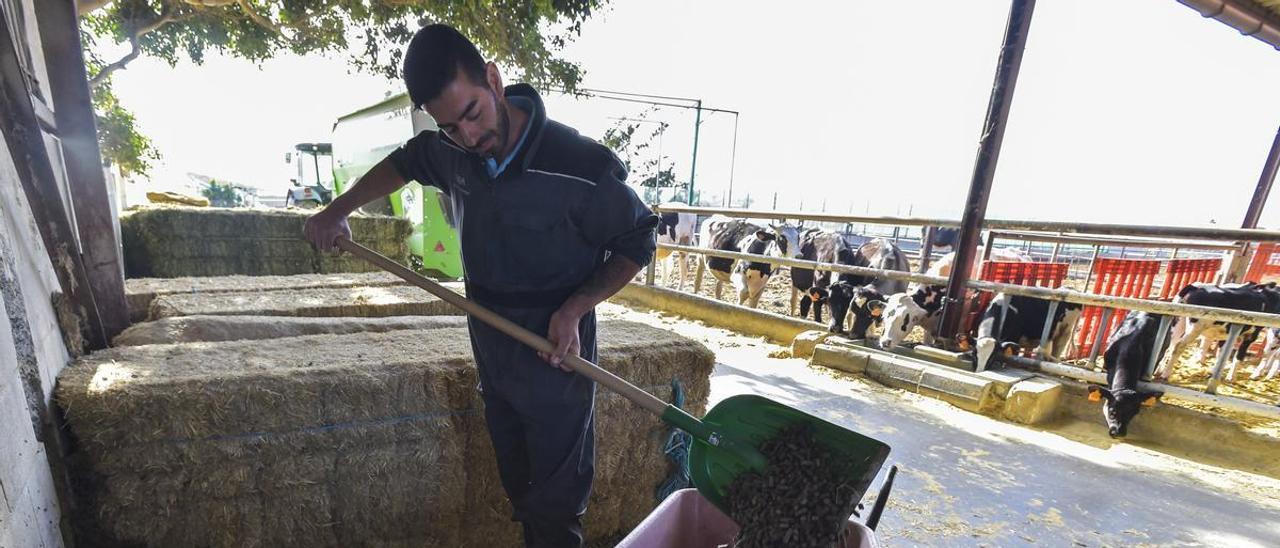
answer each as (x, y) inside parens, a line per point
(22, 131)
(91, 203)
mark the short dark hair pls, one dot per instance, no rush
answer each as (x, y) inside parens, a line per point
(433, 59)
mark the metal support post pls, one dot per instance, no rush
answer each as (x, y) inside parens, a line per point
(1223, 355)
(1237, 262)
(1048, 328)
(1093, 264)
(693, 167)
(1162, 335)
(989, 143)
(926, 249)
(1100, 337)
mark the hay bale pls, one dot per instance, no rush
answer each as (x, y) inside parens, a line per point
(168, 242)
(139, 292)
(319, 302)
(339, 440)
(243, 328)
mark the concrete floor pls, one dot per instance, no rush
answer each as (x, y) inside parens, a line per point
(970, 481)
(967, 480)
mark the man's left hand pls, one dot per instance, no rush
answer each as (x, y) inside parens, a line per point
(563, 333)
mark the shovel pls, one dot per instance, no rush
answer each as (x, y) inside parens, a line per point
(725, 440)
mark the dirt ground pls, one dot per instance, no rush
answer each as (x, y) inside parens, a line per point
(1188, 374)
(968, 480)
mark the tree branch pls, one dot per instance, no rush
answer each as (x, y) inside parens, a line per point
(85, 7)
(258, 18)
(166, 16)
(106, 71)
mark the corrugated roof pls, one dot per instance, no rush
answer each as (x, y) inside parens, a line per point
(1257, 18)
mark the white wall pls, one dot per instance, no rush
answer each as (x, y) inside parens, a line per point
(32, 352)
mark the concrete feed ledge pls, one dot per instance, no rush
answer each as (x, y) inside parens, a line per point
(965, 390)
(748, 321)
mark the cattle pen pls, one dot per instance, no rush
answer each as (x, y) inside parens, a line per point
(1110, 305)
(1119, 285)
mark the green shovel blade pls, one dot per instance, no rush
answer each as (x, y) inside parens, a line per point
(753, 420)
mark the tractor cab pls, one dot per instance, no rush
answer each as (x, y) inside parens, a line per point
(312, 186)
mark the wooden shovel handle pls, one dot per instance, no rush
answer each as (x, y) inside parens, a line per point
(537, 342)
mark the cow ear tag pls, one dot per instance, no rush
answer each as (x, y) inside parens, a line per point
(1150, 401)
(1096, 396)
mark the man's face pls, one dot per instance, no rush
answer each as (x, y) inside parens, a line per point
(473, 114)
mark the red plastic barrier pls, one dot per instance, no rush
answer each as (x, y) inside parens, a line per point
(1117, 278)
(1265, 263)
(1182, 272)
(1050, 275)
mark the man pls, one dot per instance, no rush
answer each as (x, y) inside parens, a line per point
(548, 231)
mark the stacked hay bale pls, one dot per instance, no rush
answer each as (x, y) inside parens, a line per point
(340, 440)
(319, 302)
(169, 242)
(180, 329)
(139, 292)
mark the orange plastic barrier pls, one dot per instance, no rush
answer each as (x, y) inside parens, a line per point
(1182, 272)
(1265, 263)
(1050, 275)
(1117, 278)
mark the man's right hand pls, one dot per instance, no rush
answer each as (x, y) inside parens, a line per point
(324, 228)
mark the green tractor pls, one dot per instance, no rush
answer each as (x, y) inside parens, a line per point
(362, 139)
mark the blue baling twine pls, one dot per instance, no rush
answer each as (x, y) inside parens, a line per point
(676, 449)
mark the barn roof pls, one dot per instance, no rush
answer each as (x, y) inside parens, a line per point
(1257, 18)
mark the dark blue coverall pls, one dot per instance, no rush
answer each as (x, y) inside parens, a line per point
(531, 236)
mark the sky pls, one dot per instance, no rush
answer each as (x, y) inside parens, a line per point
(1135, 112)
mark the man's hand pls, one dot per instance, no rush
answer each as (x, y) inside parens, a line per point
(563, 333)
(324, 228)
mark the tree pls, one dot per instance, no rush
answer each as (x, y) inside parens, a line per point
(523, 35)
(651, 174)
(222, 194)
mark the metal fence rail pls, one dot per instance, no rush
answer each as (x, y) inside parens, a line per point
(1062, 295)
(1232, 234)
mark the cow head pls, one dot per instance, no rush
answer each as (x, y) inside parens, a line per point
(788, 239)
(1121, 406)
(904, 311)
(985, 347)
(667, 222)
(840, 295)
(868, 310)
(901, 314)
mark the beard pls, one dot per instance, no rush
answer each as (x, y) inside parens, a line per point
(504, 125)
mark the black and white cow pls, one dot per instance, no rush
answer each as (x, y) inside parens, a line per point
(1128, 352)
(1270, 356)
(922, 304)
(944, 237)
(1013, 322)
(677, 229)
(738, 235)
(1249, 297)
(863, 297)
(808, 287)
